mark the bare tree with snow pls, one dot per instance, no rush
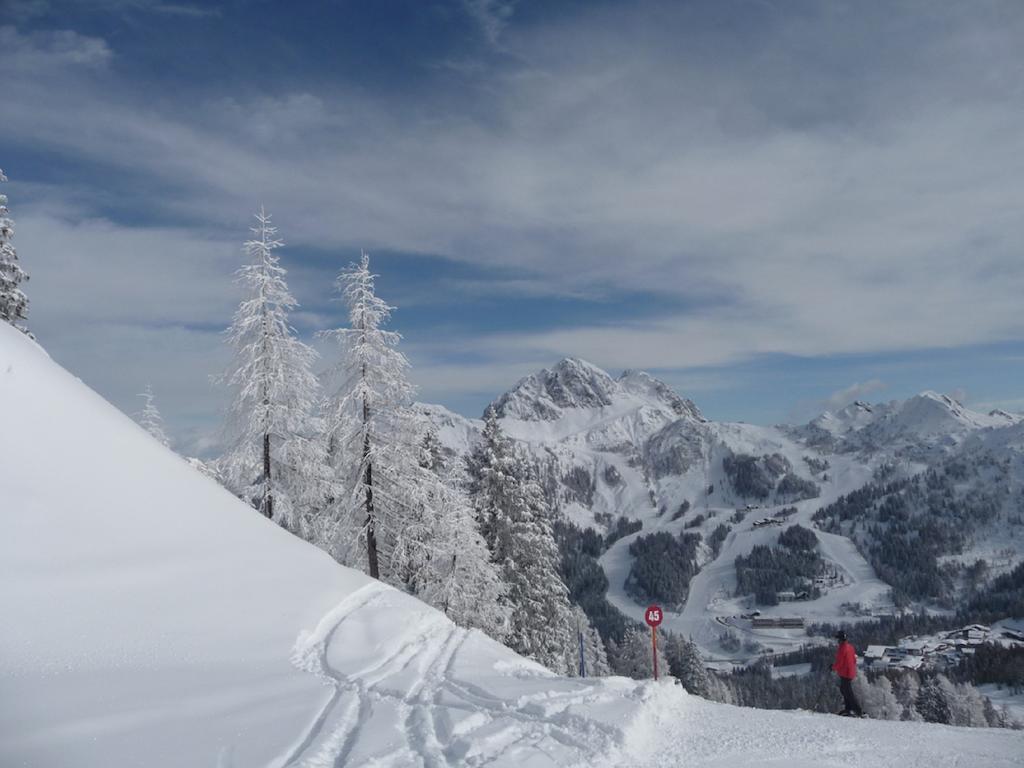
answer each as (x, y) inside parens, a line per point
(149, 418)
(13, 302)
(272, 455)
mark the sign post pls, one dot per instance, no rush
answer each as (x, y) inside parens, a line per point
(653, 616)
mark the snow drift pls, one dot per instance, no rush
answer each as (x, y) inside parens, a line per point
(151, 619)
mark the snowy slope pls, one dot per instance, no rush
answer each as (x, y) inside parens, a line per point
(148, 615)
(150, 619)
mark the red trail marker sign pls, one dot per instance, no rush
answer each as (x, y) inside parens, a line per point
(654, 616)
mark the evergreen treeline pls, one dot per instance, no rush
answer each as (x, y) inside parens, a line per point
(757, 477)
(662, 567)
(794, 488)
(791, 566)
(888, 630)
(903, 695)
(717, 538)
(905, 526)
(623, 526)
(580, 549)
(992, 663)
(752, 478)
(1003, 597)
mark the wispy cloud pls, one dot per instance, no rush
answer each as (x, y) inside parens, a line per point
(37, 53)
(492, 16)
(812, 184)
(856, 391)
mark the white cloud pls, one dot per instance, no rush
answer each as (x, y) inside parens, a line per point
(861, 199)
(856, 391)
(39, 51)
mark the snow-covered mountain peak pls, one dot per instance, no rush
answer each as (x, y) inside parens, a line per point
(850, 418)
(574, 384)
(570, 383)
(1009, 418)
(647, 387)
(924, 422)
(931, 412)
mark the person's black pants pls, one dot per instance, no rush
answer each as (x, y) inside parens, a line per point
(850, 703)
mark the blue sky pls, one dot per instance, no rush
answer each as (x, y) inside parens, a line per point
(776, 207)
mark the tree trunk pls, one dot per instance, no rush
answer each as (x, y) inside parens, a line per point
(371, 534)
(268, 495)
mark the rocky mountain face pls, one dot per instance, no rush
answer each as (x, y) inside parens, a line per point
(605, 448)
(576, 385)
(547, 394)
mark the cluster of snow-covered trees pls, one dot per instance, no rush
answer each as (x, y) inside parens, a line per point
(13, 302)
(934, 697)
(351, 468)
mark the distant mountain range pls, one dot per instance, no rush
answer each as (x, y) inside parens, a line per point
(609, 449)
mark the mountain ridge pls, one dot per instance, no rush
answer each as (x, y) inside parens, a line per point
(610, 449)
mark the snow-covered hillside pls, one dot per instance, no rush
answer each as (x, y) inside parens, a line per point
(151, 619)
(607, 448)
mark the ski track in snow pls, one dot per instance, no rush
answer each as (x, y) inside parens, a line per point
(413, 684)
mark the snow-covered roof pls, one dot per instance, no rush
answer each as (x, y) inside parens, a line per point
(909, 662)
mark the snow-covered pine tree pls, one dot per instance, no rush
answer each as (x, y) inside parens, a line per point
(906, 688)
(685, 664)
(371, 440)
(272, 459)
(632, 657)
(459, 577)
(150, 419)
(877, 697)
(967, 706)
(934, 700)
(511, 513)
(13, 302)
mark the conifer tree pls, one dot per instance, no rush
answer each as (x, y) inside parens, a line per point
(933, 700)
(632, 657)
(150, 418)
(13, 302)
(458, 577)
(271, 459)
(512, 516)
(371, 444)
(906, 688)
(877, 698)
(685, 664)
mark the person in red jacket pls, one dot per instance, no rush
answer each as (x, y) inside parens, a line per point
(846, 668)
